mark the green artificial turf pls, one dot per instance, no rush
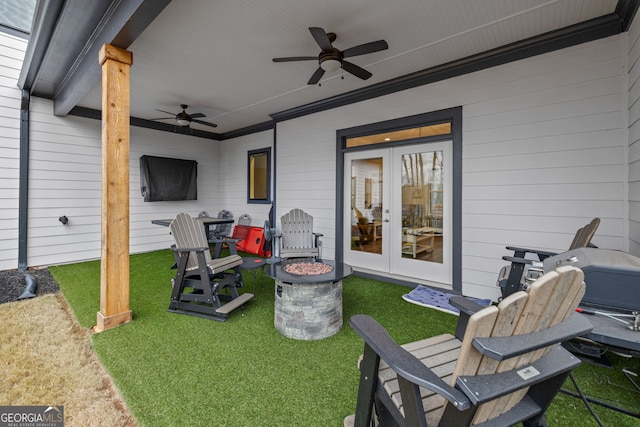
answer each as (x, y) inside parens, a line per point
(174, 369)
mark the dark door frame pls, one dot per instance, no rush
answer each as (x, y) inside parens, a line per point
(452, 115)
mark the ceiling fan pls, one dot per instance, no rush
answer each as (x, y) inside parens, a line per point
(184, 119)
(330, 58)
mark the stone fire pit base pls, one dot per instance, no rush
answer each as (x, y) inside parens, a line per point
(308, 311)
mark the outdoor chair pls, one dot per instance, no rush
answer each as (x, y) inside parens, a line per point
(248, 239)
(203, 286)
(504, 365)
(222, 231)
(365, 230)
(526, 264)
(244, 219)
(221, 235)
(297, 239)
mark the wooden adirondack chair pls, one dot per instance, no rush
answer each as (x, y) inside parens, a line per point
(297, 239)
(524, 268)
(203, 286)
(503, 367)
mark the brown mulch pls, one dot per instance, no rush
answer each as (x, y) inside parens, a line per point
(12, 283)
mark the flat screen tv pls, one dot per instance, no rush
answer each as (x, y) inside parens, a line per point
(167, 179)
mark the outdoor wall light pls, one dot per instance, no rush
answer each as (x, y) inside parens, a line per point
(63, 219)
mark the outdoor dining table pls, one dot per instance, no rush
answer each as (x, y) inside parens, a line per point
(206, 221)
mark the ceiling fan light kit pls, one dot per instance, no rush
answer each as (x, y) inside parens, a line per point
(332, 59)
(330, 65)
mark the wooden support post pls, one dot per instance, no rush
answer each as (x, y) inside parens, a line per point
(114, 272)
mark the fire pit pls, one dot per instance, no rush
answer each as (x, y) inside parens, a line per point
(308, 268)
(308, 300)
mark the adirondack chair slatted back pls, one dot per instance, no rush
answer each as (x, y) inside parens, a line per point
(523, 269)
(549, 301)
(583, 236)
(188, 232)
(297, 230)
(298, 237)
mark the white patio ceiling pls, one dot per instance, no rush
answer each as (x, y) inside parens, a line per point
(217, 56)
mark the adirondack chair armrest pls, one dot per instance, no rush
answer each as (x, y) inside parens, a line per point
(520, 252)
(219, 241)
(501, 348)
(404, 363)
(465, 305)
(484, 388)
(467, 308)
(518, 260)
(224, 240)
(198, 249)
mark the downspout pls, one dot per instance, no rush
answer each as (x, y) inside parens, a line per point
(23, 184)
(275, 170)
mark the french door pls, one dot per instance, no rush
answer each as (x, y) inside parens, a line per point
(397, 213)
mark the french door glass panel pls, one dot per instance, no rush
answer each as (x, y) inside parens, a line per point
(421, 224)
(397, 210)
(366, 222)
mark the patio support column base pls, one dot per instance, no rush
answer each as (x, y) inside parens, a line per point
(108, 322)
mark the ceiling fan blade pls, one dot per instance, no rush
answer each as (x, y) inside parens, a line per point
(164, 118)
(320, 36)
(168, 112)
(296, 58)
(202, 122)
(196, 115)
(315, 78)
(365, 48)
(355, 70)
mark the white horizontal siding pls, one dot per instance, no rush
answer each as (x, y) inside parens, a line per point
(542, 162)
(11, 55)
(306, 151)
(544, 152)
(633, 82)
(233, 176)
(66, 179)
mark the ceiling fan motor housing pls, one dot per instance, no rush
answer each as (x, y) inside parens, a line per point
(333, 54)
